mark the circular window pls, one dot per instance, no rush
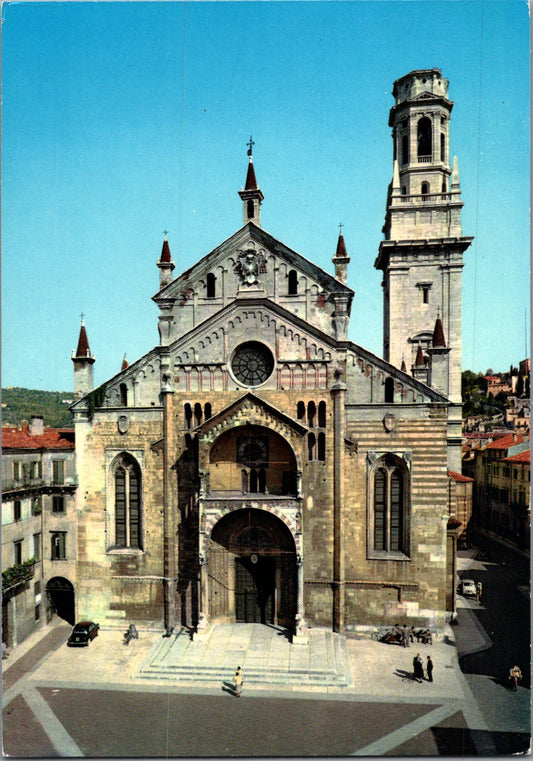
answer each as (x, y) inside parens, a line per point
(252, 363)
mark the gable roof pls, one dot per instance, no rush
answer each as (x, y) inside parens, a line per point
(261, 403)
(184, 281)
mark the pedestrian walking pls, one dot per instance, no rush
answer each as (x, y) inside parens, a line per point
(405, 636)
(429, 669)
(479, 591)
(238, 680)
(418, 668)
(515, 677)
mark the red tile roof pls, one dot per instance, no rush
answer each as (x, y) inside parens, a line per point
(520, 457)
(438, 335)
(459, 477)
(52, 438)
(504, 442)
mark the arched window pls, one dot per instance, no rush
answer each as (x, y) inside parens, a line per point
(123, 395)
(424, 138)
(389, 390)
(322, 414)
(442, 147)
(311, 446)
(389, 479)
(405, 149)
(321, 447)
(198, 413)
(300, 407)
(207, 410)
(425, 188)
(311, 413)
(211, 285)
(250, 209)
(126, 476)
(293, 283)
(187, 413)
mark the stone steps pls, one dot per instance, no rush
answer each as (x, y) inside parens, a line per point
(323, 662)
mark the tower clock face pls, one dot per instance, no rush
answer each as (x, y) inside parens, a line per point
(252, 363)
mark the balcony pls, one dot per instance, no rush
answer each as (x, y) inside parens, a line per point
(17, 574)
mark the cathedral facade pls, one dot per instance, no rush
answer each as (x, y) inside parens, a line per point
(258, 466)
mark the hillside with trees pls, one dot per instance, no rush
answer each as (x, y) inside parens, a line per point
(20, 404)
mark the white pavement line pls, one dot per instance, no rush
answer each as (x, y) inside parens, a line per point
(391, 741)
(58, 735)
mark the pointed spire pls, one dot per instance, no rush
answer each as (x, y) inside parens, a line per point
(251, 195)
(439, 342)
(396, 178)
(403, 367)
(455, 174)
(341, 258)
(83, 342)
(165, 251)
(419, 361)
(125, 363)
(165, 264)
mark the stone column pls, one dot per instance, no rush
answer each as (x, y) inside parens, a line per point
(203, 616)
(301, 634)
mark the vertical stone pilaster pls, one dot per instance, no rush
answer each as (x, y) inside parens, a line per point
(338, 393)
(169, 502)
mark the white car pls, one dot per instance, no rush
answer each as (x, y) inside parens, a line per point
(468, 588)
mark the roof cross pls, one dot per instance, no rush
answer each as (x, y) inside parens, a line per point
(250, 143)
(340, 226)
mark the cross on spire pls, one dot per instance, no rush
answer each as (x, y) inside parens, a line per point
(340, 226)
(250, 143)
(82, 317)
(165, 232)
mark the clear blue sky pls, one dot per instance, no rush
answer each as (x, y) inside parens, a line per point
(121, 120)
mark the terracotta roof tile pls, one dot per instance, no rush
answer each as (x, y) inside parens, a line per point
(52, 438)
(459, 477)
(524, 456)
(504, 442)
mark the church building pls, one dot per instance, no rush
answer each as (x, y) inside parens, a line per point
(256, 465)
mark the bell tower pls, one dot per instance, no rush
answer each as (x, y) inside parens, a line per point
(251, 195)
(421, 256)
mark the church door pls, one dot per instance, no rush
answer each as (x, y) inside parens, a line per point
(255, 590)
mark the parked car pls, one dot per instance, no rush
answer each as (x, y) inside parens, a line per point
(468, 588)
(82, 633)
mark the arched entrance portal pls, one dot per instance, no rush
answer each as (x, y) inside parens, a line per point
(60, 599)
(252, 569)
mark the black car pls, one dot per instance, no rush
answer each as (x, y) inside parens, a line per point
(82, 633)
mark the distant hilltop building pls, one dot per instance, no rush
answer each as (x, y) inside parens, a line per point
(256, 465)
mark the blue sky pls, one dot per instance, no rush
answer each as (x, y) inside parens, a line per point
(122, 120)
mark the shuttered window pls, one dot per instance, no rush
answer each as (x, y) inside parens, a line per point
(388, 522)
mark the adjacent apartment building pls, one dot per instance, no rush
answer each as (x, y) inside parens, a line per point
(39, 535)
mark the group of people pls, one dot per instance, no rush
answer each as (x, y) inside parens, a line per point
(418, 668)
(403, 636)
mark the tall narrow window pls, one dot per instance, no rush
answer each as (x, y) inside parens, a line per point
(127, 484)
(17, 509)
(207, 410)
(58, 503)
(311, 413)
(405, 149)
(59, 545)
(300, 410)
(58, 471)
(211, 285)
(424, 139)
(293, 283)
(250, 209)
(425, 188)
(311, 446)
(389, 390)
(321, 447)
(198, 413)
(17, 552)
(187, 413)
(389, 524)
(442, 147)
(36, 546)
(322, 414)
(123, 395)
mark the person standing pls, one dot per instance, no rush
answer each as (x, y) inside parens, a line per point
(238, 680)
(418, 668)
(479, 591)
(429, 669)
